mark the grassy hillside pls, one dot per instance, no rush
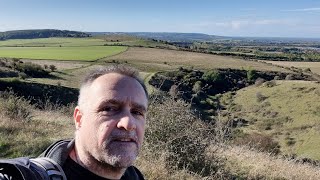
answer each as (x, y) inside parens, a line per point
(288, 111)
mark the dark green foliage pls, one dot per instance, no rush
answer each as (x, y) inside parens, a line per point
(52, 67)
(33, 70)
(251, 75)
(212, 76)
(40, 94)
(196, 86)
(40, 33)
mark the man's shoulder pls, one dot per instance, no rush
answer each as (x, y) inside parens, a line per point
(18, 168)
(132, 173)
(59, 151)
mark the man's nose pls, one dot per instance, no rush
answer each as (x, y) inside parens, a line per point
(127, 122)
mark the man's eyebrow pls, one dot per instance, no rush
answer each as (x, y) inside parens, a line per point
(119, 102)
(139, 106)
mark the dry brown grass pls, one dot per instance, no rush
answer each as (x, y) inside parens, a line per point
(258, 165)
(314, 66)
(169, 59)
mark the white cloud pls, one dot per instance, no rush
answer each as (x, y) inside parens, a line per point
(238, 24)
(303, 10)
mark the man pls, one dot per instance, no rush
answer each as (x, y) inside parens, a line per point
(110, 122)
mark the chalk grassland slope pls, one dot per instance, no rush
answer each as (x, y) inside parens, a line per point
(90, 53)
(289, 111)
(161, 59)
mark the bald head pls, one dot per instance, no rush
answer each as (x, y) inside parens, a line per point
(117, 69)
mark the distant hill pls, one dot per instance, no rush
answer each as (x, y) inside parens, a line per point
(165, 36)
(40, 33)
(200, 37)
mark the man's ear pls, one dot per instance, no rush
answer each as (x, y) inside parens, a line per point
(77, 117)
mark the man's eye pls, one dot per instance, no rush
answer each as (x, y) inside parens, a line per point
(109, 109)
(136, 112)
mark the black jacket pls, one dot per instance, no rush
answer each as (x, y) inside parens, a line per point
(21, 168)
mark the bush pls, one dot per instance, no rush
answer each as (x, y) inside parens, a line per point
(260, 97)
(260, 142)
(259, 82)
(197, 87)
(271, 83)
(289, 77)
(174, 132)
(212, 76)
(251, 75)
(33, 70)
(52, 67)
(15, 107)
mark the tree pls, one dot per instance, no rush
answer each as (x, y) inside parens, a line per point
(52, 67)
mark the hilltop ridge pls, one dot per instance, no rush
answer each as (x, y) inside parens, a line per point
(40, 33)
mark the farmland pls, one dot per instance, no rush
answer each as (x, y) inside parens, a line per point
(83, 49)
(61, 53)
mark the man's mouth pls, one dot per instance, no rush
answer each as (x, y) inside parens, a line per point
(124, 139)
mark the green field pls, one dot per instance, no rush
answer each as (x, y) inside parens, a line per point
(52, 42)
(89, 53)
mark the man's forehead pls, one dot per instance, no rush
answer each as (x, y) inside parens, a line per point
(116, 80)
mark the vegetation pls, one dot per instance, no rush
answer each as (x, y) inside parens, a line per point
(202, 89)
(40, 33)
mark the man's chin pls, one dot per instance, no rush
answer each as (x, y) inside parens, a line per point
(121, 161)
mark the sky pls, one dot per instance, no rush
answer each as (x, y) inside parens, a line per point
(244, 18)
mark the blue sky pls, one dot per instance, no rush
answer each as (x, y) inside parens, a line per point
(272, 18)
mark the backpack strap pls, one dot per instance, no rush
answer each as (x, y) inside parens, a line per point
(48, 166)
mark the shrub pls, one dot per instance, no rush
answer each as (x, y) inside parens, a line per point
(197, 87)
(251, 75)
(15, 107)
(260, 97)
(174, 132)
(33, 70)
(289, 77)
(212, 76)
(271, 83)
(22, 75)
(259, 82)
(308, 70)
(52, 67)
(260, 142)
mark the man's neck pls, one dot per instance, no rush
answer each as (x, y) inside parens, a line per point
(96, 167)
